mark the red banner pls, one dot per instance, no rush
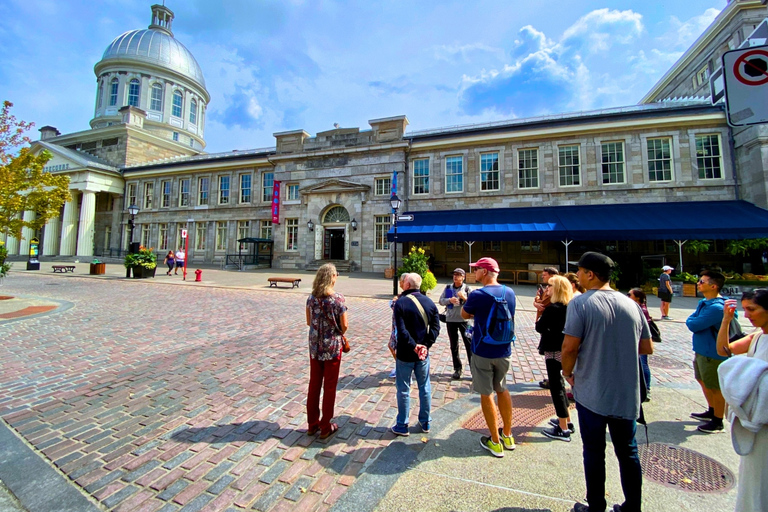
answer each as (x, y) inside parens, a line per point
(276, 202)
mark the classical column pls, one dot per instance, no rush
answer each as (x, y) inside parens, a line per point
(68, 223)
(27, 234)
(51, 237)
(87, 218)
(12, 245)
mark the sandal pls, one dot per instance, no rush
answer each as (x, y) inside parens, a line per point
(333, 430)
(312, 430)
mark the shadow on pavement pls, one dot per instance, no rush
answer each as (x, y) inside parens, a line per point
(248, 431)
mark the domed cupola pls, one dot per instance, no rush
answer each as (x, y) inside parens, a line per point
(150, 70)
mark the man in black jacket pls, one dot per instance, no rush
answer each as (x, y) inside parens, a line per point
(418, 326)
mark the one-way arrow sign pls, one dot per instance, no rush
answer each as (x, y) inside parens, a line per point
(401, 218)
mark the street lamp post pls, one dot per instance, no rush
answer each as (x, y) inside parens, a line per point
(132, 210)
(394, 202)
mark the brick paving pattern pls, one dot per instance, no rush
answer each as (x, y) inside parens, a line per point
(174, 398)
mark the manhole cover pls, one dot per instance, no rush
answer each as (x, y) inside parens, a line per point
(667, 363)
(529, 410)
(683, 469)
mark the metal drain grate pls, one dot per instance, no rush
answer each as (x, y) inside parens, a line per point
(529, 410)
(683, 469)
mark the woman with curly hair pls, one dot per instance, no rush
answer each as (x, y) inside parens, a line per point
(327, 321)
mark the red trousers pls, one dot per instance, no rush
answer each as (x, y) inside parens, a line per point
(325, 375)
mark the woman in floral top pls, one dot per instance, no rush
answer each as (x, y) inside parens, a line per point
(327, 321)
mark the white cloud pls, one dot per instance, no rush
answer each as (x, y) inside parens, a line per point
(682, 34)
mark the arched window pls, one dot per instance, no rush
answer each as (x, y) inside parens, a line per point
(134, 87)
(177, 102)
(100, 93)
(336, 214)
(113, 92)
(193, 112)
(156, 101)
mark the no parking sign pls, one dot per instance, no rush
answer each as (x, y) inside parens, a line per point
(746, 85)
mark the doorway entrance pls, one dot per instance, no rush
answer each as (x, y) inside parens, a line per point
(333, 245)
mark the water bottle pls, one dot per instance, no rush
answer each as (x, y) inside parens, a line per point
(448, 295)
(470, 327)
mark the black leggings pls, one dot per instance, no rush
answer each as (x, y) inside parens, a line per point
(170, 266)
(557, 387)
(456, 329)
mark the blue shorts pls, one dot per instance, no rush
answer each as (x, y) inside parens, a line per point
(179, 264)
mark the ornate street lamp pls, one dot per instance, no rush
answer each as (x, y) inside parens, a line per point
(394, 202)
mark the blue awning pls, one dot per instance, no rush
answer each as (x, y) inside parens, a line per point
(696, 220)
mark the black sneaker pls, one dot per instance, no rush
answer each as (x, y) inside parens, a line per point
(711, 427)
(557, 433)
(703, 416)
(555, 423)
(544, 383)
(456, 375)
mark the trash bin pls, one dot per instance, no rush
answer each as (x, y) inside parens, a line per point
(98, 269)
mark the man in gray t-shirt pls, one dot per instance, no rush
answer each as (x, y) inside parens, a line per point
(605, 332)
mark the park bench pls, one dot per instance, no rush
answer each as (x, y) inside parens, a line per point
(63, 269)
(293, 280)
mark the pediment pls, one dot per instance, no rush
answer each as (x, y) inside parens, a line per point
(66, 160)
(335, 187)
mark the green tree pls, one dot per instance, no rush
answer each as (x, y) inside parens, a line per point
(24, 186)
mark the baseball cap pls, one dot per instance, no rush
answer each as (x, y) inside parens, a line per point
(666, 267)
(459, 271)
(596, 262)
(488, 264)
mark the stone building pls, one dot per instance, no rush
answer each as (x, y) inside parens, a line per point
(145, 147)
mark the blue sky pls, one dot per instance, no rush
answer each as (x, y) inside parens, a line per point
(277, 65)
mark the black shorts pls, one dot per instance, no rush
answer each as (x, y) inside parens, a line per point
(665, 296)
(179, 264)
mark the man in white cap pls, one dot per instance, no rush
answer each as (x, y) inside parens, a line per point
(665, 291)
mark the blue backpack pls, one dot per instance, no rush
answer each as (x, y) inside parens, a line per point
(500, 326)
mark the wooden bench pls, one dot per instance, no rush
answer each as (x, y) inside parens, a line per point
(63, 269)
(293, 280)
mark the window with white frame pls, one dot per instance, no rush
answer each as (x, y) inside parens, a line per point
(267, 183)
(708, 156)
(184, 192)
(383, 186)
(454, 174)
(178, 101)
(221, 236)
(165, 188)
(421, 176)
(107, 238)
(145, 235)
(569, 166)
(113, 92)
(291, 234)
(265, 229)
(201, 229)
(156, 98)
(659, 159)
(193, 112)
(530, 246)
(202, 191)
(162, 236)
(292, 192)
(175, 136)
(243, 231)
(149, 190)
(702, 76)
(489, 171)
(223, 189)
(131, 195)
(528, 168)
(381, 227)
(100, 93)
(134, 90)
(245, 188)
(613, 162)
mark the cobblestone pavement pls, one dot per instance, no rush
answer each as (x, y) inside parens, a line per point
(176, 398)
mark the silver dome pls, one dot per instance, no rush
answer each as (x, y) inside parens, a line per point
(158, 48)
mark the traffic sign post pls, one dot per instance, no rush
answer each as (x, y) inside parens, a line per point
(746, 85)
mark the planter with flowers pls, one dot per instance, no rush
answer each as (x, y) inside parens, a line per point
(143, 264)
(416, 261)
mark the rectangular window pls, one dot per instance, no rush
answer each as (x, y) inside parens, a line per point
(659, 159)
(267, 182)
(176, 136)
(454, 174)
(489, 171)
(421, 176)
(134, 88)
(162, 237)
(381, 223)
(149, 189)
(265, 230)
(145, 235)
(613, 162)
(708, 157)
(291, 234)
(292, 192)
(569, 166)
(530, 246)
(245, 188)
(223, 189)
(528, 168)
(165, 186)
(243, 231)
(383, 186)
(455, 246)
(702, 76)
(221, 236)
(200, 232)
(156, 99)
(184, 192)
(493, 246)
(202, 191)
(131, 195)
(176, 106)
(113, 93)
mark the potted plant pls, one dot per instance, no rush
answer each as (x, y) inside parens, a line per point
(416, 261)
(142, 264)
(689, 283)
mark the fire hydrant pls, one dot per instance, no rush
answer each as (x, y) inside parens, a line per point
(198, 275)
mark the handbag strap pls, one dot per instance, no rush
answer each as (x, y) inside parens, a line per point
(421, 310)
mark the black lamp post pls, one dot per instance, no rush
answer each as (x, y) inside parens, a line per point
(132, 210)
(394, 201)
